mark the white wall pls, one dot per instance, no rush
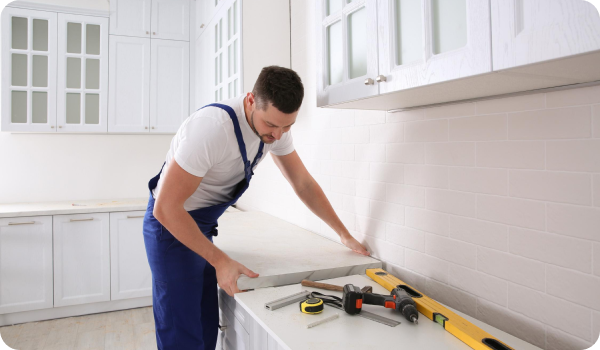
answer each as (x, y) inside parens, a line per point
(492, 207)
(102, 5)
(53, 167)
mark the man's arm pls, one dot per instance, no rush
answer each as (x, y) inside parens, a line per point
(309, 191)
(177, 186)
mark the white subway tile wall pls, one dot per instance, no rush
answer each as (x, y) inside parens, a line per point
(491, 207)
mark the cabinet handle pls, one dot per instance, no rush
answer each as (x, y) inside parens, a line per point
(154, 33)
(135, 217)
(60, 126)
(52, 127)
(202, 25)
(381, 78)
(152, 127)
(147, 32)
(21, 223)
(146, 128)
(369, 81)
(89, 219)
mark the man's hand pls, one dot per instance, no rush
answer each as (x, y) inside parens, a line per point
(228, 273)
(353, 244)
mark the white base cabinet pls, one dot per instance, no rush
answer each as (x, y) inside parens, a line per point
(239, 331)
(25, 264)
(81, 259)
(130, 274)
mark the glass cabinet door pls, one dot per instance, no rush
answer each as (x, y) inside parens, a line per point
(348, 56)
(82, 73)
(29, 80)
(227, 51)
(423, 42)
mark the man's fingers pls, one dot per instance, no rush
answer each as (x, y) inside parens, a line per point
(249, 273)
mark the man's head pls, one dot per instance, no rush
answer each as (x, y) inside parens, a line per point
(272, 106)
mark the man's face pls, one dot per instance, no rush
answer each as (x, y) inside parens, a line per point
(270, 124)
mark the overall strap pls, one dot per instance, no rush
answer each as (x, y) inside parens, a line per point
(240, 139)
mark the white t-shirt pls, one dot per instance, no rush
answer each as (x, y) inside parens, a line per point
(205, 146)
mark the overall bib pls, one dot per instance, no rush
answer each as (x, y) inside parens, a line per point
(184, 285)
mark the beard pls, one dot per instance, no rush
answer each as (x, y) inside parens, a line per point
(264, 138)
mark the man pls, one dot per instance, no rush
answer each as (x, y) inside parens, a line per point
(208, 167)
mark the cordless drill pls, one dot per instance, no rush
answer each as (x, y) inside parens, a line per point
(353, 299)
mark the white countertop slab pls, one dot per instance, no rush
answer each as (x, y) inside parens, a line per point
(81, 207)
(283, 253)
(288, 324)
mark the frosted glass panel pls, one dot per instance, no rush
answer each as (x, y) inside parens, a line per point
(40, 35)
(357, 43)
(221, 33)
(334, 6)
(19, 69)
(409, 31)
(74, 37)
(235, 89)
(19, 107)
(235, 56)
(39, 75)
(19, 33)
(92, 39)
(73, 73)
(92, 108)
(449, 25)
(39, 107)
(229, 23)
(73, 108)
(335, 63)
(217, 70)
(235, 25)
(217, 37)
(229, 59)
(92, 74)
(220, 68)
(230, 86)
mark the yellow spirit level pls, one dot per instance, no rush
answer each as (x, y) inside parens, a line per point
(464, 330)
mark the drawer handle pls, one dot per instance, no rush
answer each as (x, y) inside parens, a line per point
(21, 223)
(135, 217)
(73, 220)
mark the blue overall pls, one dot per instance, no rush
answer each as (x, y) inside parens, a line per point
(184, 285)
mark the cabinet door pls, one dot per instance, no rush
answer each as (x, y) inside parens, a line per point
(25, 263)
(81, 259)
(130, 17)
(130, 275)
(235, 337)
(82, 101)
(171, 19)
(424, 42)
(346, 52)
(530, 31)
(205, 12)
(169, 85)
(129, 90)
(28, 70)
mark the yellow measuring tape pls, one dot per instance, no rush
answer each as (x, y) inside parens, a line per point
(464, 330)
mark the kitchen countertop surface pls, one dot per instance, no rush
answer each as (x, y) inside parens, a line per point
(283, 253)
(288, 324)
(12, 210)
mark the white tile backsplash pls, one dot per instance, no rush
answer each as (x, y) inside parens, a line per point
(492, 207)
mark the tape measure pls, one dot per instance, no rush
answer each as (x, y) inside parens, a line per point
(311, 306)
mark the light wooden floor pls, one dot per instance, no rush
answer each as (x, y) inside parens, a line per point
(127, 330)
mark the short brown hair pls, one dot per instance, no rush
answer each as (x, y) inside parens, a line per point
(280, 86)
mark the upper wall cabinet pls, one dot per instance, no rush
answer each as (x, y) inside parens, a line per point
(205, 11)
(532, 31)
(347, 57)
(130, 17)
(28, 70)
(423, 42)
(157, 19)
(82, 103)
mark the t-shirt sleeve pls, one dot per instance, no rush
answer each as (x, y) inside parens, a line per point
(284, 146)
(202, 144)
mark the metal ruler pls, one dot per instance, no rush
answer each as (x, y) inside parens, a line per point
(373, 317)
